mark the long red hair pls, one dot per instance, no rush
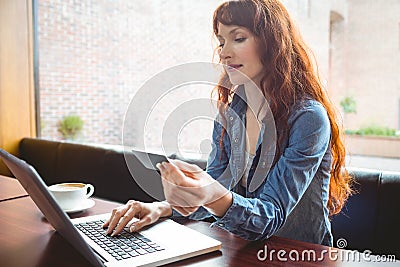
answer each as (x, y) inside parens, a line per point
(290, 77)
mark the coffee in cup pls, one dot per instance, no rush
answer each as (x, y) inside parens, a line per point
(71, 195)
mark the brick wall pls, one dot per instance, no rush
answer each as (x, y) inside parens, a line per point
(365, 61)
(94, 54)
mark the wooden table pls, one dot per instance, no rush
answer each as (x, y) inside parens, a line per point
(27, 239)
(10, 188)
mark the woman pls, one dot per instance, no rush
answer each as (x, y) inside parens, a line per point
(307, 181)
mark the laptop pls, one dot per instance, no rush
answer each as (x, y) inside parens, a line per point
(164, 242)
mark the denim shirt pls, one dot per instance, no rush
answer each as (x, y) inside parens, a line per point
(292, 199)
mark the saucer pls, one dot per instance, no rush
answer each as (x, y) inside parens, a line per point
(86, 204)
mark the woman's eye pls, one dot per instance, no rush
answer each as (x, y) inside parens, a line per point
(239, 40)
(221, 45)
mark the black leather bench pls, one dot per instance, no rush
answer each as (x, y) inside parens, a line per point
(105, 168)
(370, 219)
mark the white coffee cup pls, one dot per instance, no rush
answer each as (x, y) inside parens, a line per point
(71, 195)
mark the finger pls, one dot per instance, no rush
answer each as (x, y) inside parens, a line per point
(136, 226)
(186, 167)
(110, 221)
(172, 173)
(180, 198)
(163, 171)
(117, 213)
(188, 170)
(107, 223)
(129, 215)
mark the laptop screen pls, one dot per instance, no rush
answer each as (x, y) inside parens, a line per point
(44, 200)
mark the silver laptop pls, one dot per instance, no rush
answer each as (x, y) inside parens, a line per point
(161, 243)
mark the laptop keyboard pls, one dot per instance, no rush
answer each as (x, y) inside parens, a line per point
(123, 246)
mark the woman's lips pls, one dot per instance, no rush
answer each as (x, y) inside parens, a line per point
(233, 67)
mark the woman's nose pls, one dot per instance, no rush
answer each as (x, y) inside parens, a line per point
(224, 52)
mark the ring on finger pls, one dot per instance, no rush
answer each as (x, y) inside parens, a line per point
(132, 227)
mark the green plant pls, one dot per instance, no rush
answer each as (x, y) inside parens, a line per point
(374, 130)
(70, 126)
(349, 105)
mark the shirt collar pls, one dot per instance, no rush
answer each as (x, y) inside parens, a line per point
(239, 101)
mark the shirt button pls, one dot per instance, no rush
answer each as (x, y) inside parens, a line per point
(236, 140)
(231, 118)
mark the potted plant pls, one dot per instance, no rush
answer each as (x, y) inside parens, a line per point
(374, 140)
(70, 126)
(349, 105)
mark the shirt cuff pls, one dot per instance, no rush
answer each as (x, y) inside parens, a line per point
(233, 217)
(176, 214)
(198, 215)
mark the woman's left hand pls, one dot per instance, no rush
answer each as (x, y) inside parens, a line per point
(187, 187)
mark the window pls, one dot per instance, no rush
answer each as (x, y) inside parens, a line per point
(356, 49)
(94, 56)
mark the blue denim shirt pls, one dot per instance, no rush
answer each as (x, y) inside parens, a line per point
(292, 200)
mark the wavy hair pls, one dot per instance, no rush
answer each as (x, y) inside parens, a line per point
(291, 76)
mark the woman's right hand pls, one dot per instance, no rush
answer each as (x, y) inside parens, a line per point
(146, 213)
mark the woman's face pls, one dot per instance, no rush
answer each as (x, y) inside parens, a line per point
(240, 53)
